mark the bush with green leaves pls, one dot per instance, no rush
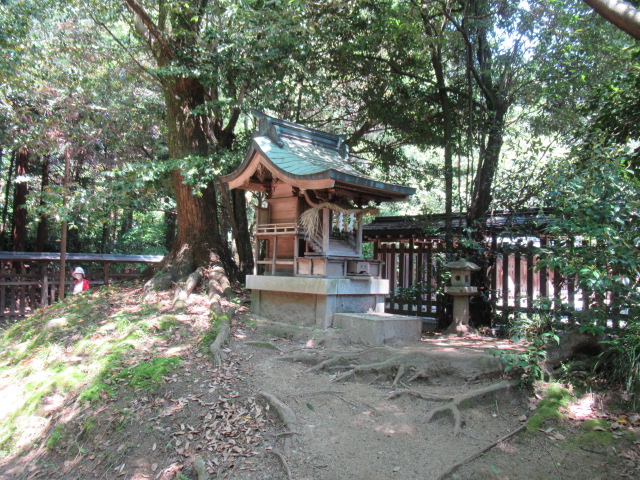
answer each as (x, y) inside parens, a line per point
(620, 363)
(537, 331)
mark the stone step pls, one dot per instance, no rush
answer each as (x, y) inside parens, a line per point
(378, 328)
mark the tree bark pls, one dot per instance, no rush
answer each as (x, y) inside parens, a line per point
(170, 220)
(3, 227)
(243, 239)
(488, 164)
(43, 224)
(199, 241)
(447, 130)
(621, 14)
(19, 234)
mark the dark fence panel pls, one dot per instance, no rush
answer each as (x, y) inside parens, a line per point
(413, 267)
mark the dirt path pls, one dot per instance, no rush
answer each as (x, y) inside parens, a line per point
(343, 430)
(353, 430)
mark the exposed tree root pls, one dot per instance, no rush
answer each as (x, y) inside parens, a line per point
(219, 283)
(216, 347)
(155, 284)
(265, 345)
(454, 402)
(282, 460)
(400, 365)
(183, 290)
(286, 415)
(221, 320)
(476, 454)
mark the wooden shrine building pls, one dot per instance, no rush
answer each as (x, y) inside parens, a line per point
(309, 235)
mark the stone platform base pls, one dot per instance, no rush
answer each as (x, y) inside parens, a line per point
(377, 328)
(314, 301)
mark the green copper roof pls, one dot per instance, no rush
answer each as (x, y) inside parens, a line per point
(302, 153)
(302, 158)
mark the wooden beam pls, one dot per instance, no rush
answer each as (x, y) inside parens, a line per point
(326, 229)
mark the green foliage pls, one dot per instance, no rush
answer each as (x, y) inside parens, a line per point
(597, 234)
(620, 362)
(597, 201)
(529, 361)
(526, 326)
(536, 331)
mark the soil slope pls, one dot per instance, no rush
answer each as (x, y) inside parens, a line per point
(350, 429)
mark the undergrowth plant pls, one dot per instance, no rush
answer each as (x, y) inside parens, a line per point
(620, 362)
(537, 331)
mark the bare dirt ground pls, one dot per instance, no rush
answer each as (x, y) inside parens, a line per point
(342, 430)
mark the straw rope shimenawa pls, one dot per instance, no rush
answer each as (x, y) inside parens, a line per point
(311, 221)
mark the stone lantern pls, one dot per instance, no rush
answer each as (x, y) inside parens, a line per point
(461, 290)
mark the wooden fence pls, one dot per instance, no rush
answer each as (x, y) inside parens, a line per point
(29, 281)
(414, 268)
(414, 271)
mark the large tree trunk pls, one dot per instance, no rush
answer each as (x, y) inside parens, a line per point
(199, 241)
(43, 224)
(3, 227)
(21, 190)
(243, 239)
(487, 166)
(447, 130)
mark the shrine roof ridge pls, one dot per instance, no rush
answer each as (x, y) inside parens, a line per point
(302, 154)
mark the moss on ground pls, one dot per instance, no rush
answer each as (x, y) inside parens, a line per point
(555, 398)
(87, 355)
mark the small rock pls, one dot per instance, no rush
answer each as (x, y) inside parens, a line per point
(56, 323)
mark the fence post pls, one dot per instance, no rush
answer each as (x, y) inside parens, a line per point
(505, 278)
(44, 288)
(517, 274)
(106, 266)
(543, 272)
(530, 272)
(494, 268)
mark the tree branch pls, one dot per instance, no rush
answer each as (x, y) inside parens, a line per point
(396, 68)
(621, 14)
(151, 27)
(147, 73)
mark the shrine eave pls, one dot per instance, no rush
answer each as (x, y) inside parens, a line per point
(306, 159)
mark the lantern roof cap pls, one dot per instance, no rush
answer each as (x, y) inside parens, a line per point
(462, 264)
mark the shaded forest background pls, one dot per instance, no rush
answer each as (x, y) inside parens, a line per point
(482, 105)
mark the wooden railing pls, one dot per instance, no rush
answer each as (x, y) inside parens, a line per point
(29, 280)
(278, 229)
